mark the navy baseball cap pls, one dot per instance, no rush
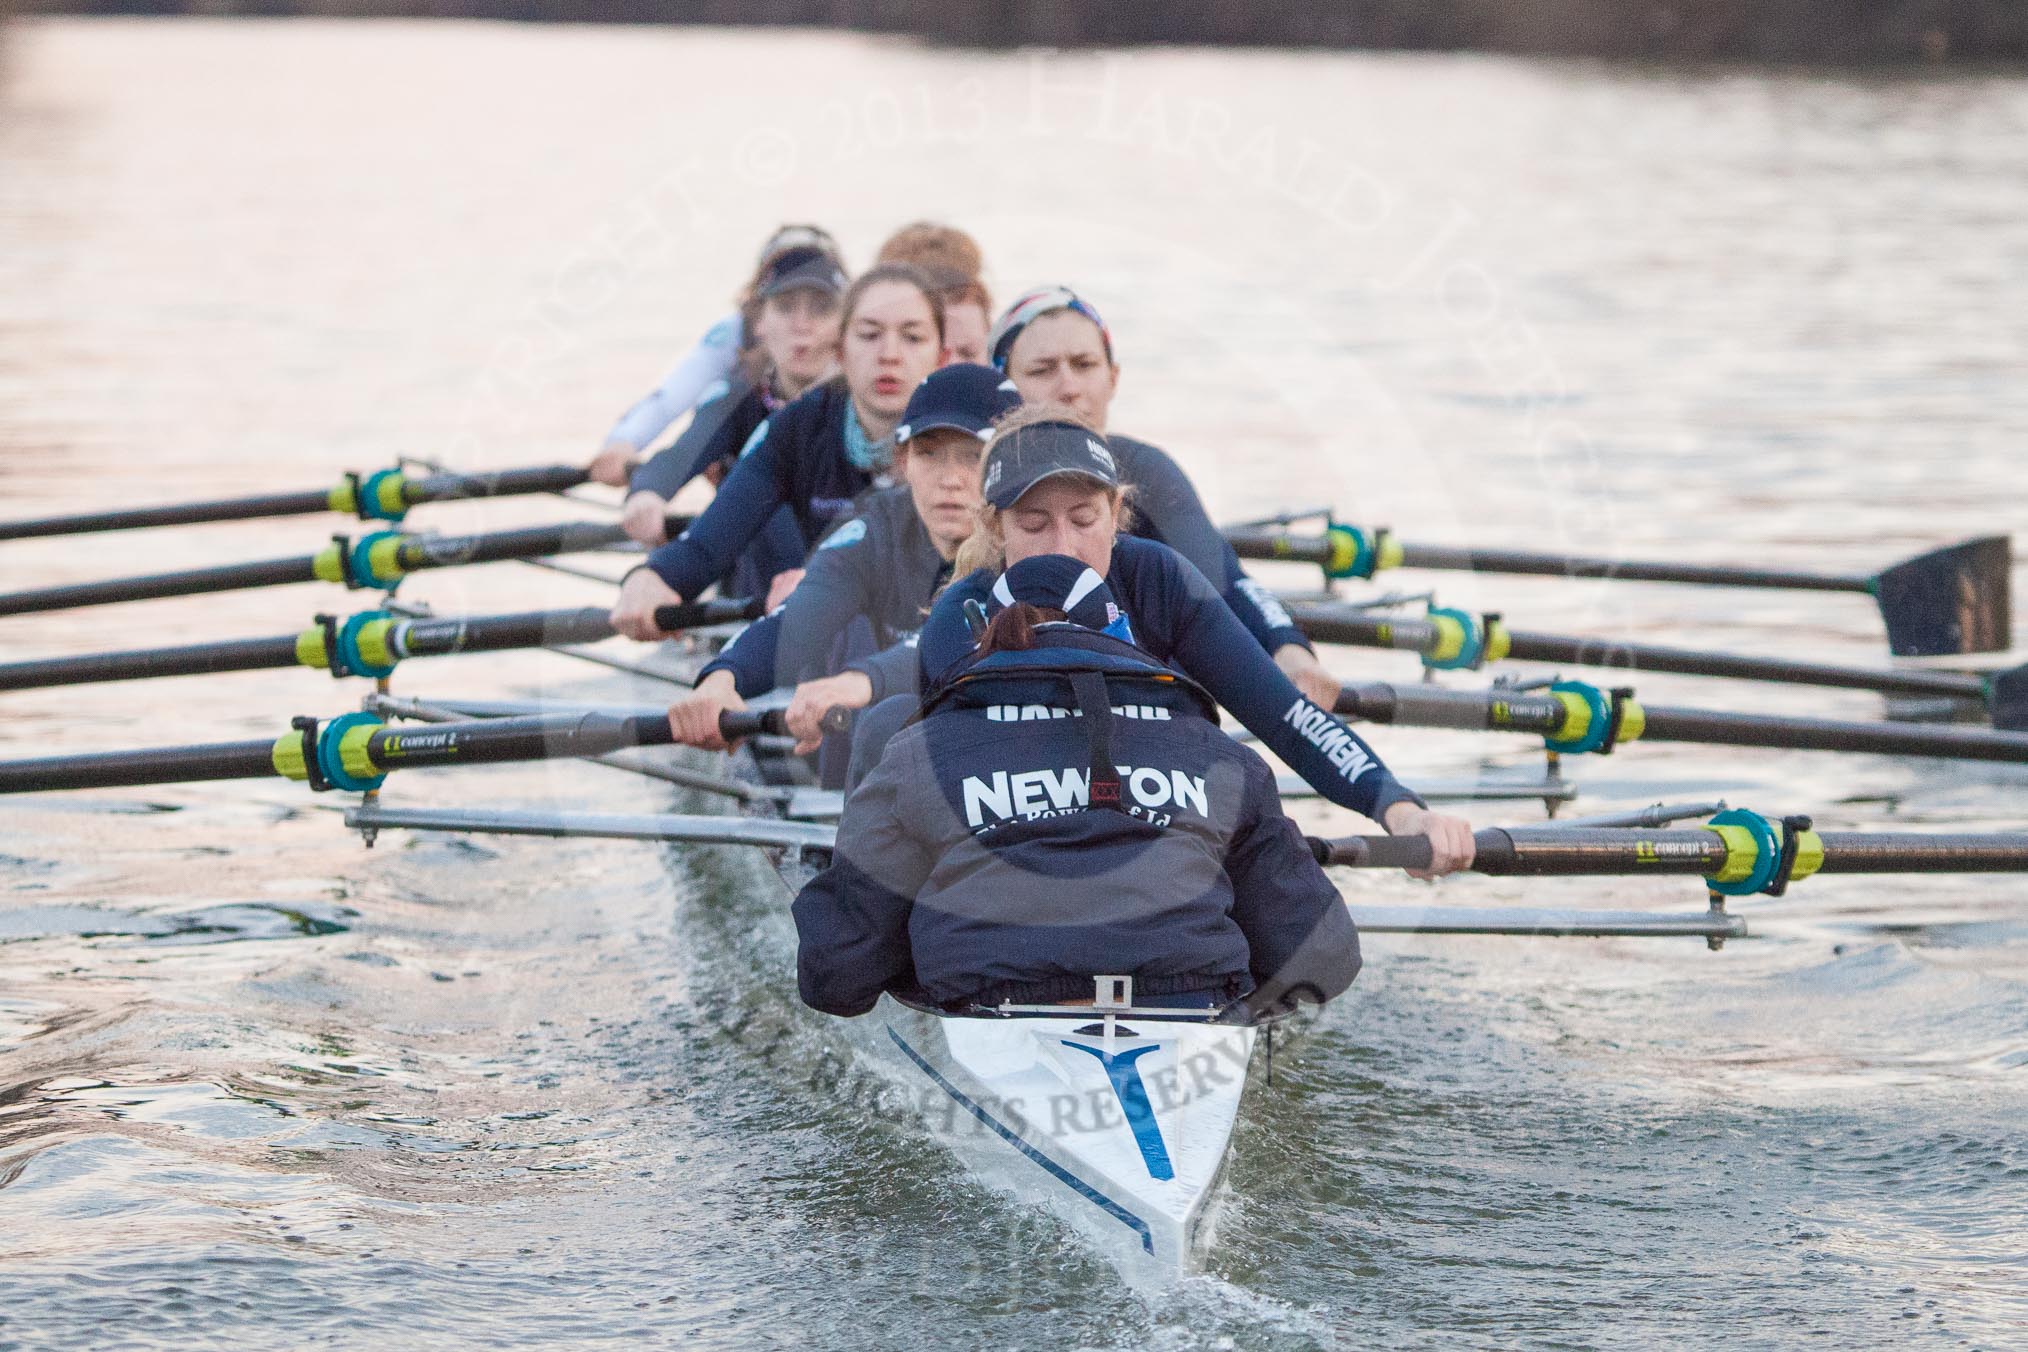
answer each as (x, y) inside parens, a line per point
(1018, 460)
(804, 266)
(1059, 582)
(964, 395)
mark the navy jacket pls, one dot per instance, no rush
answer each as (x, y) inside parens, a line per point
(799, 463)
(1064, 813)
(1180, 620)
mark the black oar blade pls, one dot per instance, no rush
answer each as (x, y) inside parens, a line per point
(2009, 700)
(1952, 600)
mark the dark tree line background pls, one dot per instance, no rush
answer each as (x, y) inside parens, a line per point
(1889, 31)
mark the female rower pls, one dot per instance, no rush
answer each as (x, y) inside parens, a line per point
(1052, 487)
(881, 568)
(791, 313)
(816, 455)
(736, 341)
(997, 857)
(950, 258)
(1057, 350)
(954, 263)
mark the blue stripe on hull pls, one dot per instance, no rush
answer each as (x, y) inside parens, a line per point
(1133, 1096)
(1057, 1171)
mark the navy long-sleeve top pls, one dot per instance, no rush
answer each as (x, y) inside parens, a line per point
(1178, 618)
(798, 462)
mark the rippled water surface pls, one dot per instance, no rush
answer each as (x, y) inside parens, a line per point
(261, 1087)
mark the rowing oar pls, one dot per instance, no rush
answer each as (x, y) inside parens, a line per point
(1738, 853)
(383, 496)
(380, 560)
(355, 752)
(1951, 600)
(1449, 639)
(1574, 717)
(370, 643)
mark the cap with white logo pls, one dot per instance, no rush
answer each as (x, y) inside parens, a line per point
(963, 395)
(1016, 461)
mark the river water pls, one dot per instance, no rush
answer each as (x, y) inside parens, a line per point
(261, 1087)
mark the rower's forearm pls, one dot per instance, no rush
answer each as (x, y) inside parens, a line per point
(893, 671)
(701, 554)
(661, 473)
(752, 659)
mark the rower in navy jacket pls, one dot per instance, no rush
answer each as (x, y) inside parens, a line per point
(816, 456)
(1052, 343)
(790, 315)
(883, 566)
(1067, 806)
(1052, 487)
(797, 336)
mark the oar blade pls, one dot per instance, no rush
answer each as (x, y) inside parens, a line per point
(1952, 600)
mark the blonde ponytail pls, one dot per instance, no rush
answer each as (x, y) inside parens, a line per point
(985, 547)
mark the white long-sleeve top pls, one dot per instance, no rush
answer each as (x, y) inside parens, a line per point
(709, 365)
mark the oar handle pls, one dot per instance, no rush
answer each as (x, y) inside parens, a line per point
(735, 724)
(1373, 851)
(699, 614)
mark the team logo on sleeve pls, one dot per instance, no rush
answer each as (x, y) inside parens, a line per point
(1265, 601)
(1329, 736)
(851, 533)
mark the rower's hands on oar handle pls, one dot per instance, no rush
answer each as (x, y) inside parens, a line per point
(819, 705)
(641, 593)
(1451, 847)
(614, 464)
(737, 724)
(645, 518)
(1303, 669)
(694, 718)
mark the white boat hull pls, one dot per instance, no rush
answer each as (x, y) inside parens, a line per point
(1131, 1131)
